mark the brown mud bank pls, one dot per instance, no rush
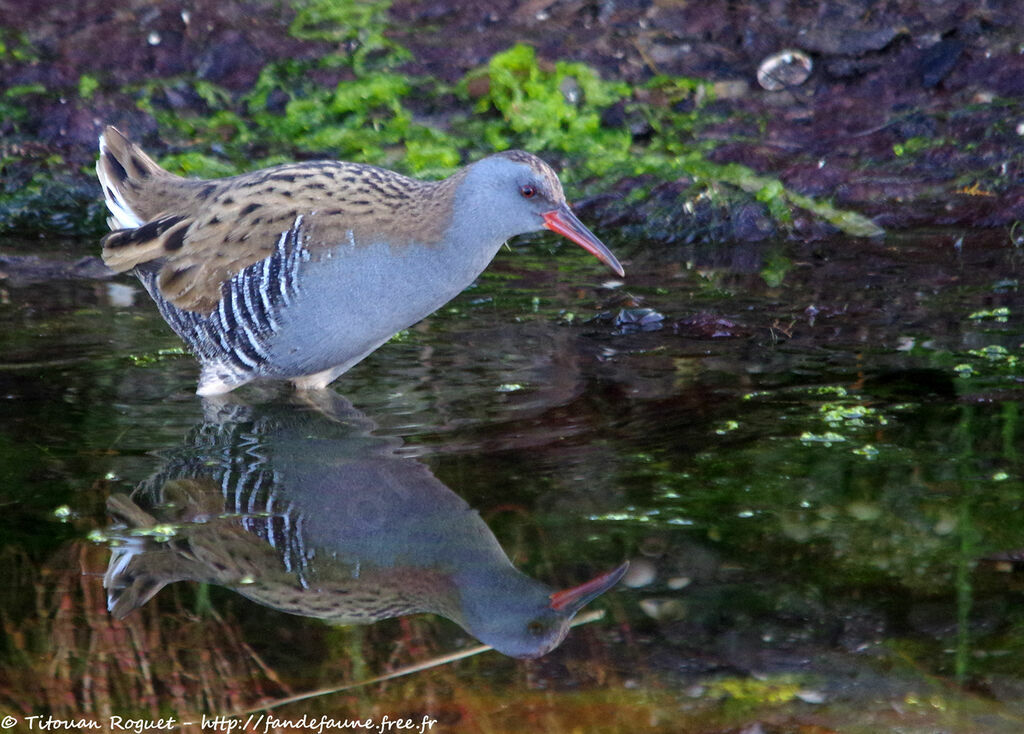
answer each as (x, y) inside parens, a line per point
(910, 112)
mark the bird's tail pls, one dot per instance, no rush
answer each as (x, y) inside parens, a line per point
(121, 169)
(135, 195)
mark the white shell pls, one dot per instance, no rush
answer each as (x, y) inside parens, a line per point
(789, 68)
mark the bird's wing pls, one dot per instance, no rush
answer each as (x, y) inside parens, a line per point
(202, 247)
(201, 233)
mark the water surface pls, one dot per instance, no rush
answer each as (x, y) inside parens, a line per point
(809, 452)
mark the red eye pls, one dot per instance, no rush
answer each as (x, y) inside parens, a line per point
(527, 190)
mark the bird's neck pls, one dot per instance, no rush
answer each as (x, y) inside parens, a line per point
(476, 226)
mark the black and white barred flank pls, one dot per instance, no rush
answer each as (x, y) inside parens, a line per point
(234, 336)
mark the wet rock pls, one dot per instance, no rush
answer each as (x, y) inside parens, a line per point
(642, 572)
(914, 124)
(620, 115)
(31, 269)
(846, 67)
(604, 211)
(751, 222)
(815, 178)
(230, 60)
(848, 29)
(706, 325)
(68, 123)
(938, 61)
(730, 89)
(1008, 689)
(757, 157)
(860, 628)
(837, 40)
(180, 97)
(1003, 74)
(631, 320)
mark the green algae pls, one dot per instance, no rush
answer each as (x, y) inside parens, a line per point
(87, 86)
(376, 113)
(358, 26)
(555, 110)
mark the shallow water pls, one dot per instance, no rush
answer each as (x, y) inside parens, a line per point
(810, 454)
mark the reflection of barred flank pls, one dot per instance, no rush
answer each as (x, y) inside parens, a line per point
(252, 495)
(248, 486)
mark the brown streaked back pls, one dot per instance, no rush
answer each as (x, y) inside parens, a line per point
(200, 233)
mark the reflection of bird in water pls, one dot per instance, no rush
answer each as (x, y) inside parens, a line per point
(317, 517)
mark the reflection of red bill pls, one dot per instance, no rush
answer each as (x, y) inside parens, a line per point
(572, 600)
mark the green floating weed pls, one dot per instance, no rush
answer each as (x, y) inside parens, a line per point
(837, 414)
(824, 439)
(867, 451)
(1001, 315)
(773, 690)
(837, 390)
(727, 427)
(995, 353)
(143, 360)
(163, 533)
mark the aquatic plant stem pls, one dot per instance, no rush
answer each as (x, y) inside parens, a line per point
(585, 618)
